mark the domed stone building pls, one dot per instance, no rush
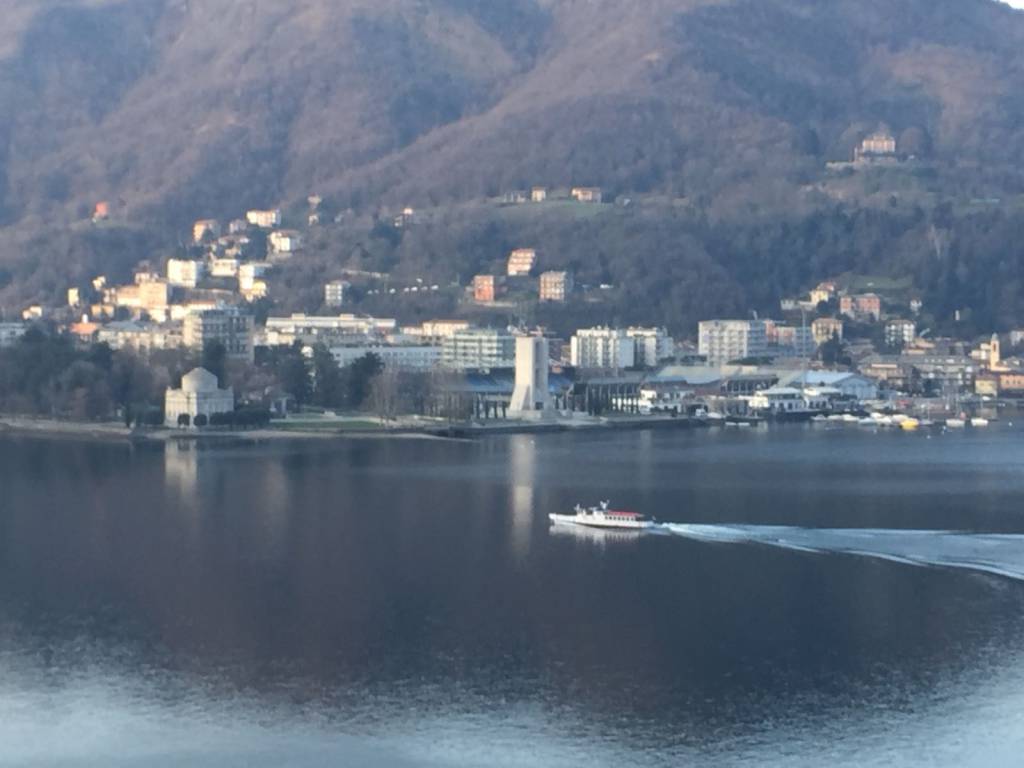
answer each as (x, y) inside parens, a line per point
(200, 395)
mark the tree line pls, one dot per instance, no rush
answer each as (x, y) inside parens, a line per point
(44, 374)
(364, 385)
(52, 375)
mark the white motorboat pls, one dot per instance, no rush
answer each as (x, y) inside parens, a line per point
(603, 517)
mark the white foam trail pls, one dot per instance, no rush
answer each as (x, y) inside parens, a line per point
(1000, 554)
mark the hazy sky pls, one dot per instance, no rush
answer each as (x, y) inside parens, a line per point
(1015, 3)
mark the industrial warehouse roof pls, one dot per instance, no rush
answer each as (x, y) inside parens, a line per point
(823, 378)
(502, 382)
(687, 374)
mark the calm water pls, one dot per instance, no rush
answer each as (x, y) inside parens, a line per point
(405, 603)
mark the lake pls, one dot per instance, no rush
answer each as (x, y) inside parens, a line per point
(819, 596)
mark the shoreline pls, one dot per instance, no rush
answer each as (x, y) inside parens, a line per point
(110, 432)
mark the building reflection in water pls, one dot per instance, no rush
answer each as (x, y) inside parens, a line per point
(181, 470)
(271, 509)
(645, 461)
(200, 481)
(523, 459)
(597, 536)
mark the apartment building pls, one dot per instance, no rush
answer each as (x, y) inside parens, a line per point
(722, 341)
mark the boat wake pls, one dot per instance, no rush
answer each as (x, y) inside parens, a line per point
(999, 554)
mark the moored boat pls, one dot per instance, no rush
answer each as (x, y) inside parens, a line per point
(603, 517)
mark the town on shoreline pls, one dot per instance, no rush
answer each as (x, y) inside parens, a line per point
(193, 346)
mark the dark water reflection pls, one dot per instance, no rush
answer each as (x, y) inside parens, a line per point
(405, 603)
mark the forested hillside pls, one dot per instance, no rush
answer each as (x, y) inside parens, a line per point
(176, 110)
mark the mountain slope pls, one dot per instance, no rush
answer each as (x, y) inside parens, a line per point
(176, 109)
(202, 102)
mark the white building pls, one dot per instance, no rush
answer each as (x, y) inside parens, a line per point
(722, 341)
(652, 400)
(264, 219)
(479, 349)
(141, 337)
(825, 328)
(823, 293)
(200, 395)
(402, 357)
(285, 241)
(586, 194)
(531, 396)
(225, 267)
(249, 274)
(602, 348)
(230, 326)
(878, 145)
(555, 286)
(259, 289)
(234, 246)
(185, 272)
(803, 343)
(790, 340)
(334, 292)
(312, 328)
(781, 401)
(899, 333)
(436, 331)
(521, 262)
(10, 333)
(205, 227)
(653, 345)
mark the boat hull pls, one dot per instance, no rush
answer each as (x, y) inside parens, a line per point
(615, 525)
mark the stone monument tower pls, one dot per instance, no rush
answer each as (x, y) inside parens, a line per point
(531, 398)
